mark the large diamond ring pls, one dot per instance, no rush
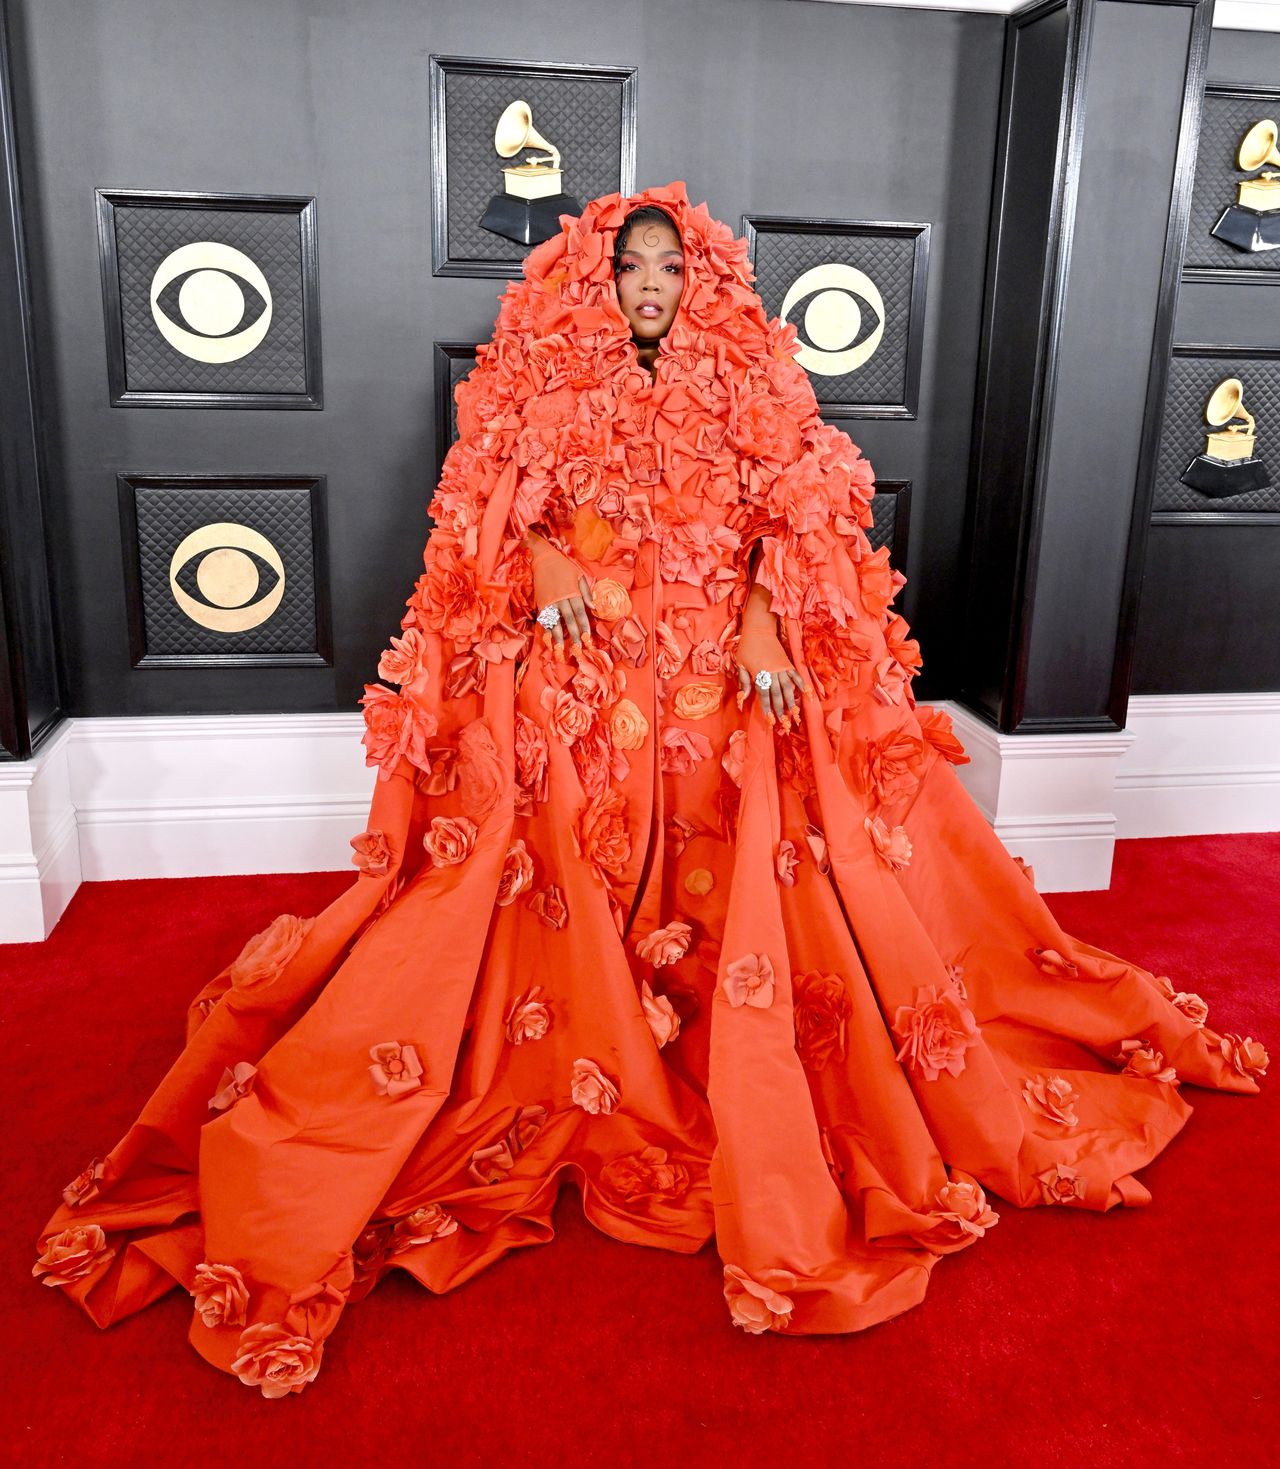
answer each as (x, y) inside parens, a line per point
(549, 617)
(764, 680)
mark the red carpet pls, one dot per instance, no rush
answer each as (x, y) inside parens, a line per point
(1136, 1337)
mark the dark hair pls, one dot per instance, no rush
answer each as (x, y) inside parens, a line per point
(646, 214)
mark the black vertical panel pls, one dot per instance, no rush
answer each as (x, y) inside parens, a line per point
(1104, 358)
(29, 696)
(1014, 321)
(1077, 327)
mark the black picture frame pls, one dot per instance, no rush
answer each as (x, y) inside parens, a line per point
(898, 492)
(298, 361)
(445, 357)
(1207, 258)
(901, 397)
(507, 263)
(1174, 449)
(320, 652)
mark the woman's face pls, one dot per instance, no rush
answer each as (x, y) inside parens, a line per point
(650, 280)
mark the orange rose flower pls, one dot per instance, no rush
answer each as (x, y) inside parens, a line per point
(964, 1205)
(1245, 1055)
(627, 725)
(786, 862)
(395, 726)
(822, 1010)
(600, 836)
(610, 600)
(267, 953)
(84, 1186)
(276, 1360)
(665, 945)
(597, 682)
(372, 855)
(428, 1223)
(1142, 1059)
(550, 906)
(1052, 1097)
(755, 1305)
(698, 699)
(76, 1252)
(221, 1296)
(450, 840)
(517, 874)
(682, 750)
(646, 1174)
(660, 1014)
(936, 1032)
(406, 658)
(669, 656)
(569, 718)
(529, 1017)
(591, 1089)
(892, 844)
(1061, 1185)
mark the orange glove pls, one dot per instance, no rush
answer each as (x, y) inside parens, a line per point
(557, 582)
(760, 649)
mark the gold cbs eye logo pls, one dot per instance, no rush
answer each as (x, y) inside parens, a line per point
(228, 564)
(212, 301)
(834, 317)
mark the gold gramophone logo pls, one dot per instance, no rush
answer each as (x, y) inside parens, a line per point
(1227, 465)
(532, 200)
(1252, 223)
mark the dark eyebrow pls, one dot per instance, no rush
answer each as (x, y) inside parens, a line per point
(664, 253)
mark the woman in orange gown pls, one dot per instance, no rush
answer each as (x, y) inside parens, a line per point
(737, 960)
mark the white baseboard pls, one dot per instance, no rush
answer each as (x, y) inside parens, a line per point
(205, 795)
(1048, 797)
(1200, 763)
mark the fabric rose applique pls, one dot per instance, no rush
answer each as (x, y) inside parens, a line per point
(428, 1223)
(591, 1089)
(1245, 1055)
(84, 1186)
(963, 1204)
(371, 853)
(665, 945)
(266, 953)
(450, 840)
(517, 874)
(646, 1174)
(758, 1305)
(221, 1296)
(529, 1017)
(276, 1360)
(71, 1255)
(750, 981)
(1061, 1185)
(660, 1014)
(1052, 1097)
(822, 1010)
(936, 1032)
(236, 1082)
(396, 1068)
(1142, 1059)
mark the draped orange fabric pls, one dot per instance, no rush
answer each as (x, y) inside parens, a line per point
(783, 988)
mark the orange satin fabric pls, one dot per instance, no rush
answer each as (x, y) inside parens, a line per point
(783, 989)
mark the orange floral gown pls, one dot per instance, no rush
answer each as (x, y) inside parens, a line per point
(780, 987)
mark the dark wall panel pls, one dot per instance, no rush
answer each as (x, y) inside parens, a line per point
(1210, 609)
(1104, 353)
(760, 106)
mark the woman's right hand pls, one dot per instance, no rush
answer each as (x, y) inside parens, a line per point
(558, 582)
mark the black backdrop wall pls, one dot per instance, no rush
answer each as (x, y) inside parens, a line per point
(762, 107)
(1209, 615)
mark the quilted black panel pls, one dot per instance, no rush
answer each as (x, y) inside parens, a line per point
(167, 514)
(1191, 381)
(145, 236)
(581, 116)
(1224, 123)
(781, 257)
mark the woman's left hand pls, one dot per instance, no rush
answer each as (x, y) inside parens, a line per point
(759, 649)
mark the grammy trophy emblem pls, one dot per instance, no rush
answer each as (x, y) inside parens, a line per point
(533, 198)
(1252, 223)
(1227, 466)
